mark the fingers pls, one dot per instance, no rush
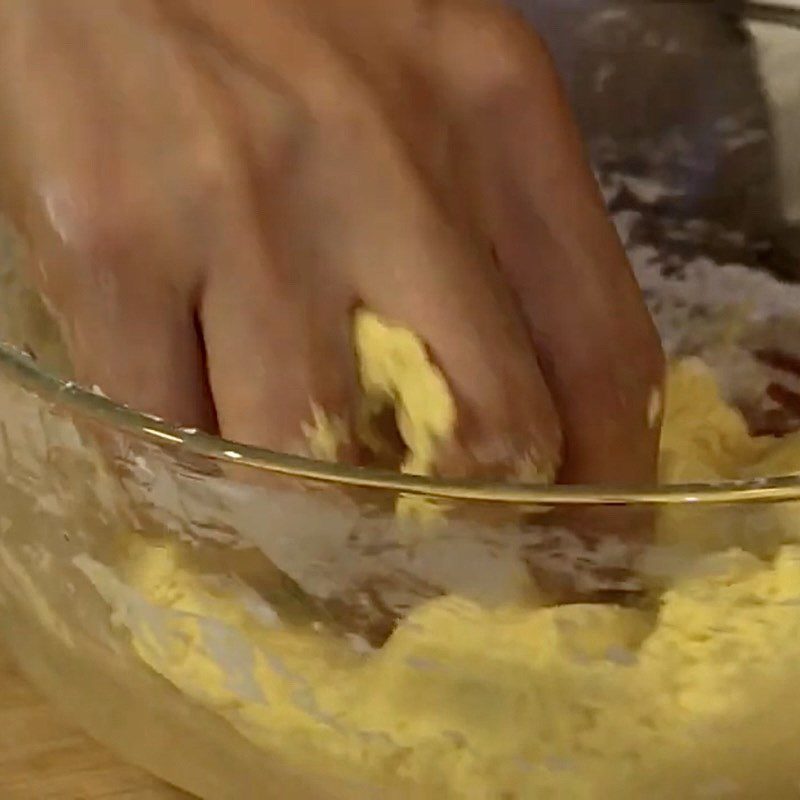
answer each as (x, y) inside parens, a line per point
(280, 361)
(140, 346)
(103, 218)
(416, 270)
(129, 325)
(597, 346)
(348, 216)
(600, 356)
(355, 209)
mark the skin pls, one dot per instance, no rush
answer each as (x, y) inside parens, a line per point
(209, 190)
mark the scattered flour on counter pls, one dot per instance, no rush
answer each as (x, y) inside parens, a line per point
(722, 313)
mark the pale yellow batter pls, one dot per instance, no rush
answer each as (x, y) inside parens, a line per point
(695, 697)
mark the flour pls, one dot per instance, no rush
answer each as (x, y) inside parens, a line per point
(711, 298)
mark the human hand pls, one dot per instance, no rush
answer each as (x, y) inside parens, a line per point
(210, 189)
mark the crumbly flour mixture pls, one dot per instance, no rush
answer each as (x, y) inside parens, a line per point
(693, 695)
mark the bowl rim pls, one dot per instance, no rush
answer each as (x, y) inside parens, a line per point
(80, 402)
(67, 396)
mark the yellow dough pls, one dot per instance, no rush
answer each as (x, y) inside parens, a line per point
(396, 373)
(694, 697)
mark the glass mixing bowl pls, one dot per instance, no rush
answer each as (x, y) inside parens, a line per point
(249, 625)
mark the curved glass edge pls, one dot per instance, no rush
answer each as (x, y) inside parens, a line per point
(22, 370)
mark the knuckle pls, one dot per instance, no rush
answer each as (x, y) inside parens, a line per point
(269, 120)
(98, 240)
(282, 130)
(103, 236)
(94, 217)
(208, 171)
(338, 101)
(200, 166)
(513, 57)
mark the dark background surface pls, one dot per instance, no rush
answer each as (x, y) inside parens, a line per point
(670, 92)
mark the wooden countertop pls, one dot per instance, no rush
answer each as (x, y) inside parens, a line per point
(42, 757)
